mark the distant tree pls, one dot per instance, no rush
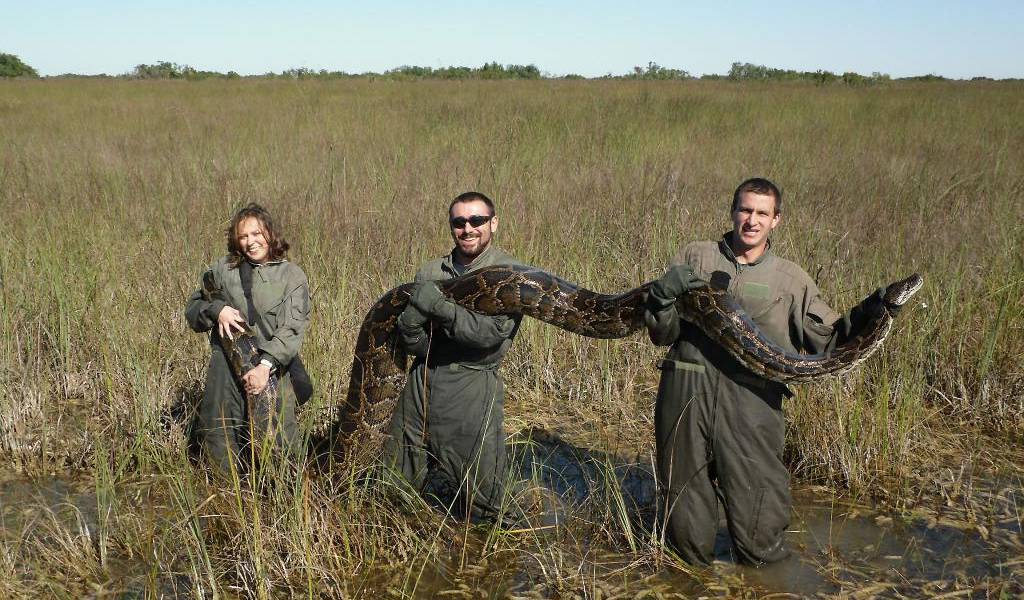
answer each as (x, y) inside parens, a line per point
(928, 77)
(655, 71)
(161, 70)
(297, 73)
(12, 66)
(749, 72)
(522, 71)
(825, 77)
(851, 78)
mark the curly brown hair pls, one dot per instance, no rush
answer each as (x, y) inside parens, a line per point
(277, 245)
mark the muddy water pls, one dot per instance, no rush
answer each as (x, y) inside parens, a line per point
(838, 548)
(34, 504)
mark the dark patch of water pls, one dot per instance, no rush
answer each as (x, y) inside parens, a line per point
(833, 543)
(27, 503)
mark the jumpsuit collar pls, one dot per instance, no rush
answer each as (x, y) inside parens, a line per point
(480, 261)
(725, 247)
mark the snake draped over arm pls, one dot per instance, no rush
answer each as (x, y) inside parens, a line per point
(379, 365)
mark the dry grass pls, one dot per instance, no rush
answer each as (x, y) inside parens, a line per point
(115, 194)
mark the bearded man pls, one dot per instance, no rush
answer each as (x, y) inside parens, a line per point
(448, 422)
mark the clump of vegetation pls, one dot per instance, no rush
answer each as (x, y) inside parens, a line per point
(751, 72)
(12, 66)
(169, 70)
(114, 197)
(654, 71)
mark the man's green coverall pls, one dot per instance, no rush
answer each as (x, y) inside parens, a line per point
(449, 418)
(719, 428)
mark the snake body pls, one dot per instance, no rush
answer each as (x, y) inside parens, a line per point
(379, 365)
(242, 355)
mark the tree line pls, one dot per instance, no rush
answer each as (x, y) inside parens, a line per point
(12, 66)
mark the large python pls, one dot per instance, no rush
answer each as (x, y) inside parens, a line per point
(379, 365)
(242, 355)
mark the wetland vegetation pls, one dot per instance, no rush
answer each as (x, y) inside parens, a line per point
(114, 196)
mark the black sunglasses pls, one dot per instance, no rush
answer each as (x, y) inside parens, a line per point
(475, 221)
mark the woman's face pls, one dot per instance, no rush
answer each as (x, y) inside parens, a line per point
(252, 240)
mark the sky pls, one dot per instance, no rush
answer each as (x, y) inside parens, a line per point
(897, 37)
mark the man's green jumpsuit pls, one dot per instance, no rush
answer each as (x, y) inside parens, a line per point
(719, 428)
(449, 418)
(280, 294)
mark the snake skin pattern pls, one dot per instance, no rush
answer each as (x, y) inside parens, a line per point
(379, 366)
(242, 355)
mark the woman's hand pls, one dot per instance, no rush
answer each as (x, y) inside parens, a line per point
(228, 319)
(255, 381)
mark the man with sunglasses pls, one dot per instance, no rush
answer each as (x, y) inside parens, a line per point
(719, 428)
(448, 422)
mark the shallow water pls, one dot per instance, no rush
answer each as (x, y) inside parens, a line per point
(837, 547)
(31, 504)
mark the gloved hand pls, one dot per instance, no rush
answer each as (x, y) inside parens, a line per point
(893, 309)
(428, 300)
(870, 306)
(674, 282)
(411, 317)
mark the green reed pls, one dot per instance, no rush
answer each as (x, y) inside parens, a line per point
(115, 196)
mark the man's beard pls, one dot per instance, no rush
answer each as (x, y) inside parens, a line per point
(480, 243)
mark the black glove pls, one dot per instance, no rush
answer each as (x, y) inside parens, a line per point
(428, 300)
(411, 317)
(870, 306)
(674, 282)
(894, 309)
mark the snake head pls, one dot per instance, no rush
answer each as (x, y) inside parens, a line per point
(897, 294)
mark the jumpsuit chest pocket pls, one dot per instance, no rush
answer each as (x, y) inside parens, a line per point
(757, 299)
(270, 301)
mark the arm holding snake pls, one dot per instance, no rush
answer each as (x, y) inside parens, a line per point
(378, 368)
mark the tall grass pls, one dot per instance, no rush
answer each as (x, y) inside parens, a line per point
(115, 196)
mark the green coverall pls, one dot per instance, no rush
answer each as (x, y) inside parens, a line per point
(449, 418)
(280, 294)
(719, 428)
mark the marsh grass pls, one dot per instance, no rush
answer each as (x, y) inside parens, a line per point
(115, 196)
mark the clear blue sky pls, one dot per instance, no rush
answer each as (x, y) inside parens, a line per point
(954, 39)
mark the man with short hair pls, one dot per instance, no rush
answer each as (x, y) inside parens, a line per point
(719, 427)
(449, 418)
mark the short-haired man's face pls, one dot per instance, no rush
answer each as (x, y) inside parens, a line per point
(471, 240)
(752, 220)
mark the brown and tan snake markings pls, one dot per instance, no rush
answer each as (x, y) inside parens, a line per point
(379, 365)
(242, 354)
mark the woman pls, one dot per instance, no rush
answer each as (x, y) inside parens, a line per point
(277, 310)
